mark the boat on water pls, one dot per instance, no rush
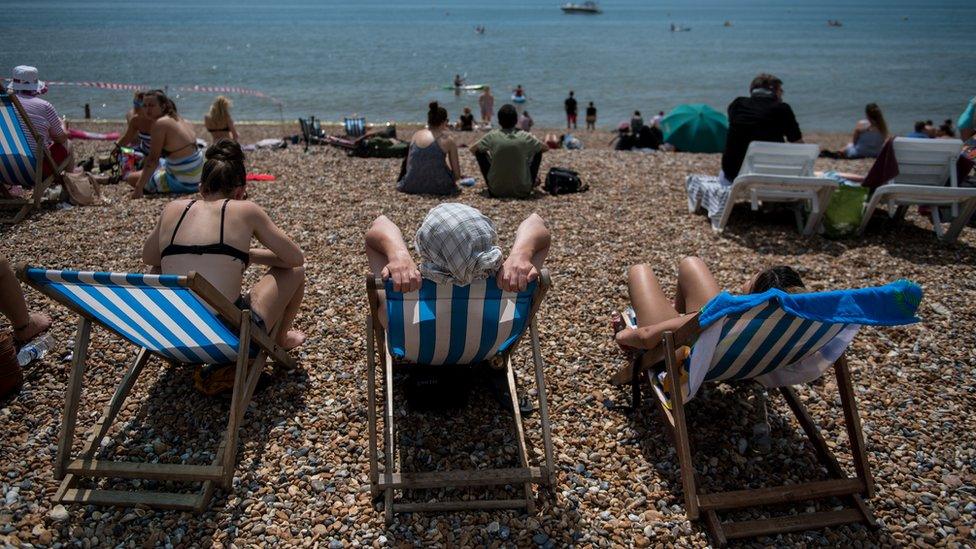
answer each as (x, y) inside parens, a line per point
(585, 7)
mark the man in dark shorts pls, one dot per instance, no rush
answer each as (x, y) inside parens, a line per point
(570, 111)
(763, 116)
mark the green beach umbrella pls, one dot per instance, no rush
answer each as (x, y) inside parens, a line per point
(695, 127)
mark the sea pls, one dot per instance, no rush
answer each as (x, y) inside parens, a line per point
(385, 60)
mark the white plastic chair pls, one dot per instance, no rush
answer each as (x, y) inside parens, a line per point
(924, 166)
(779, 172)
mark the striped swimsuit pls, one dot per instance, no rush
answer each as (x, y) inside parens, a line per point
(177, 176)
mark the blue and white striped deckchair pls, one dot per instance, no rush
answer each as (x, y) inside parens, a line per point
(355, 127)
(779, 340)
(447, 325)
(181, 319)
(19, 165)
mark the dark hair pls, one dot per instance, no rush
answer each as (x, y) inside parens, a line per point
(436, 115)
(507, 116)
(873, 112)
(165, 103)
(946, 128)
(765, 81)
(224, 169)
(637, 113)
(570, 93)
(920, 126)
(780, 277)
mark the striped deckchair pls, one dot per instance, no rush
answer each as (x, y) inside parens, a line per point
(180, 319)
(19, 165)
(447, 325)
(779, 340)
(355, 127)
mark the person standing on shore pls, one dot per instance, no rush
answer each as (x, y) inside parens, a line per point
(591, 117)
(763, 116)
(486, 101)
(570, 105)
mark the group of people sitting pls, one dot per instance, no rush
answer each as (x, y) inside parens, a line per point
(508, 158)
(170, 160)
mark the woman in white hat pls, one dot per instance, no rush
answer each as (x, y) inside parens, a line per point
(43, 117)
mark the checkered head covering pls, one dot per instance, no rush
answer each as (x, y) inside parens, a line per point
(457, 245)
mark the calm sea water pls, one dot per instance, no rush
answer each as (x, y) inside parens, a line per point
(386, 60)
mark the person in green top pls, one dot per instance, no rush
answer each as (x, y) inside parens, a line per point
(509, 158)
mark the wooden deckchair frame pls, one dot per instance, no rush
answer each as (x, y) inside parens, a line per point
(40, 182)
(391, 479)
(706, 506)
(221, 470)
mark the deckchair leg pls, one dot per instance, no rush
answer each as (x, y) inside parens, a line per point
(540, 381)
(966, 212)
(371, 405)
(853, 423)
(519, 431)
(389, 460)
(240, 375)
(683, 446)
(82, 335)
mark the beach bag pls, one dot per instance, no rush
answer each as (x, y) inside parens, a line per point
(81, 188)
(845, 210)
(380, 147)
(563, 181)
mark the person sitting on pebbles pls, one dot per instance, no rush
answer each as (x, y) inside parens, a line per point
(173, 150)
(457, 245)
(26, 324)
(186, 239)
(696, 286)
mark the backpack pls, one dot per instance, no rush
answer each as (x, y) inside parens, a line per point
(563, 181)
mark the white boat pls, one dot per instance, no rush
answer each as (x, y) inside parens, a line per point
(585, 7)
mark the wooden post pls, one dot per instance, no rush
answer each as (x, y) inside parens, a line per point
(82, 335)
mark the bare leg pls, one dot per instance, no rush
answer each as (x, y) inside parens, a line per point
(13, 306)
(133, 180)
(276, 297)
(647, 298)
(696, 285)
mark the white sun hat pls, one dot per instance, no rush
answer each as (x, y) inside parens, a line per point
(24, 78)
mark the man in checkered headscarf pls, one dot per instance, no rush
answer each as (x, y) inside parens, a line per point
(457, 244)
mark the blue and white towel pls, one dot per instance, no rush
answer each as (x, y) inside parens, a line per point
(709, 192)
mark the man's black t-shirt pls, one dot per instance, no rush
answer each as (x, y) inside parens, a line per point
(590, 111)
(756, 118)
(570, 105)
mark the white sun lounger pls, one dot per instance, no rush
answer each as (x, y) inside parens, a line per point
(924, 166)
(776, 172)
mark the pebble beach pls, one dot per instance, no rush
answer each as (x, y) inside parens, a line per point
(302, 473)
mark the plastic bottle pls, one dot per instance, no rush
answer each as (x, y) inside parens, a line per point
(467, 182)
(36, 349)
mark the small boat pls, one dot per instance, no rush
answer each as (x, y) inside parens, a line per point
(834, 23)
(585, 7)
(679, 28)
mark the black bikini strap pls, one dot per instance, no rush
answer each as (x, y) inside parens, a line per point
(180, 222)
(223, 209)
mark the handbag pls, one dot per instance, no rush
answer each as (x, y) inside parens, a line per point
(81, 188)
(563, 181)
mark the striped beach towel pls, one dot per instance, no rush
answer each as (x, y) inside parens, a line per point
(177, 176)
(448, 324)
(355, 127)
(782, 339)
(707, 191)
(17, 159)
(157, 312)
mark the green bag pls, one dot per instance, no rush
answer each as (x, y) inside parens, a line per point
(844, 213)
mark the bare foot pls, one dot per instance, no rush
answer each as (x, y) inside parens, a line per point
(292, 339)
(135, 194)
(37, 323)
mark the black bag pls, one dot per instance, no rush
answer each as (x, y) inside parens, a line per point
(563, 181)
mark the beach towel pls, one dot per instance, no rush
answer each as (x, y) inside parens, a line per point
(260, 177)
(708, 191)
(92, 136)
(177, 176)
(782, 339)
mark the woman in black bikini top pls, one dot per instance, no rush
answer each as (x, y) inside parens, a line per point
(218, 121)
(215, 234)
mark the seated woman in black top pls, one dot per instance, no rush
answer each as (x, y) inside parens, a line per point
(212, 236)
(763, 116)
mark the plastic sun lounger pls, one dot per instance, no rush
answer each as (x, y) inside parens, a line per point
(924, 166)
(778, 345)
(443, 324)
(18, 163)
(778, 172)
(180, 319)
